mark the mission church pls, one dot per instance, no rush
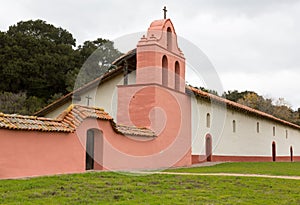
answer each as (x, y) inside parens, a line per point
(141, 115)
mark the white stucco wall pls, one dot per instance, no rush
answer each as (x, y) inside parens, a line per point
(245, 141)
(55, 113)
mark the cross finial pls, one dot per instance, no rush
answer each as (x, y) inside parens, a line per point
(165, 12)
(88, 100)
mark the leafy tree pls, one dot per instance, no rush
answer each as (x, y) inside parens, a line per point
(283, 110)
(39, 29)
(214, 92)
(19, 103)
(39, 61)
(235, 95)
(36, 56)
(253, 100)
(279, 108)
(54, 97)
(97, 57)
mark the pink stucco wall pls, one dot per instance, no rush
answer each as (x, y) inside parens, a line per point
(119, 152)
(168, 113)
(31, 153)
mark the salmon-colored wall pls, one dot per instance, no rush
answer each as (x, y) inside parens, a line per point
(155, 104)
(30, 153)
(127, 153)
(168, 113)
(150, 51)
(149, 68)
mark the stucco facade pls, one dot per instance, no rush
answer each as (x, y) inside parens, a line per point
(253, 136)
(61, 146)
(251, 139)
(141, 115)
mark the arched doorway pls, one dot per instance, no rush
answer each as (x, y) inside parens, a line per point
(208, 147)
(273, 151)
(291, 153)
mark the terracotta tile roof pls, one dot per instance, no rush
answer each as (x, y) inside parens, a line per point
(237, 106)
(19, 122)
(75, 114)
(68, 121)
(135, 131)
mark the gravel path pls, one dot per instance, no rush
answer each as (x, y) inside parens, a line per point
(224, 174)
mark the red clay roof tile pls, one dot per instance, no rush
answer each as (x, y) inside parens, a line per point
(68, 121)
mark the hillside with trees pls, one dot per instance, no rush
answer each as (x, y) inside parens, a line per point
(39, 63)
(278, 108)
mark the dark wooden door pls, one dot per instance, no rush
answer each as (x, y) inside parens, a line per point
(291, 152)
(208, 148)
(89, 159)
(273, 151)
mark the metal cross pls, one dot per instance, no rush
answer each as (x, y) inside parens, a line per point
(165, 12)
(88, 100)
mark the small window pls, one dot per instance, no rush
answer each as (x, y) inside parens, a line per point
(169, 38)
(208, 120)
(286, 134)
(233, 126)
(274, 131)
(257, 127)
(177, 76)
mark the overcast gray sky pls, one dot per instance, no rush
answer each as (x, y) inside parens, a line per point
(253, 45)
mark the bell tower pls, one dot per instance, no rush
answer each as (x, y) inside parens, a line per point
(158, 100)
(159, 59)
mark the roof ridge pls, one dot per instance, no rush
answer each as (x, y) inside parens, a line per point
(30, 117)
(87, 107)
(238, 105)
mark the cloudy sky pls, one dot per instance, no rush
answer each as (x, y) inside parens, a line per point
(253, 45)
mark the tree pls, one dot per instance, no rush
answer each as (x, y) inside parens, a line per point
(279, 108)
(19, 103)
(235, 95)
(39, 29)
(214, 92)
(255, 101)
(39, 61)
(35, 58)
(282, 109)
(96, 57)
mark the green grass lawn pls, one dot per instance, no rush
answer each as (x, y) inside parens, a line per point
(116, 188)
(268, 168)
